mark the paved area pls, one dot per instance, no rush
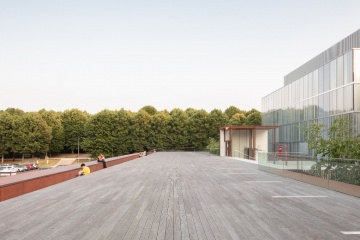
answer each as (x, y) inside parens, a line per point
(181, 196)
(64, 161)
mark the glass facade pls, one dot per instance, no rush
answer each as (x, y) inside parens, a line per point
(319, 96)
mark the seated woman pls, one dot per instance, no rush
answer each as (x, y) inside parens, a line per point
(101, 158)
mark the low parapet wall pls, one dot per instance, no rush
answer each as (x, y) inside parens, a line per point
(20, 184)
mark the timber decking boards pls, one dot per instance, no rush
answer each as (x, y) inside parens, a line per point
(181, 196)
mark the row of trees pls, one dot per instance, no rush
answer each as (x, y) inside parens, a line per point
(114, 132)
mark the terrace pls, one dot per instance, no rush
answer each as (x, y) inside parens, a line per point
(181, 195)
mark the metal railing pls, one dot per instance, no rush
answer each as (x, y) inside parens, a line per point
(342, 175)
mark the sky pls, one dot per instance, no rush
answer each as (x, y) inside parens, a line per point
(201, 54)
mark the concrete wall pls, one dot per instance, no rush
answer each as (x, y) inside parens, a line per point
(222, 144)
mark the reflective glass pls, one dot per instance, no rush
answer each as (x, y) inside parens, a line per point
(326, 77)
(321, 80)
(326, 104)
(348, 98)
(340, 100)
(332, 102)
(356, 65)
(315, 82)
(356, 97)
(333, 74)
(301, 89)
(340, 71)
(348, 78)
(316, 107)
(321, 105)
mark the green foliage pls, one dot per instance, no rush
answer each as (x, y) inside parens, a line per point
(217, 119)
(177, 134)
(6, 123)
(213, 146)
(238, 119)
(107, 132)
(139, 130)
(213, 143)
(150, 110)
(113, 132)
(31, 134)
(333, 141)
(74, 121)
(159, 128)
(198, 126)
(232, 110)
(54, 120)
(253, 118)
(337, 170)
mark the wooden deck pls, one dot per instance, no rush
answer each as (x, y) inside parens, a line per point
(181, 196)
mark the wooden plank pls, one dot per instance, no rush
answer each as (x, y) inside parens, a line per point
(180, 196)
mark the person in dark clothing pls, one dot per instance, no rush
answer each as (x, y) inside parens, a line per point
(101, 158)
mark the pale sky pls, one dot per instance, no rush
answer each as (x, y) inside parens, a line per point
(203, 54)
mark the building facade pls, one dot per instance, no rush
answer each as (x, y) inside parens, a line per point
(326, 87)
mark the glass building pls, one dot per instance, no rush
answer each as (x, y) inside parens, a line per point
(320, 90)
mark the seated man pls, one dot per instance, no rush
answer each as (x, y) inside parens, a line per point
(84, 171)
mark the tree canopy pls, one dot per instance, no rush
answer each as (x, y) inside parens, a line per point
(114, 132)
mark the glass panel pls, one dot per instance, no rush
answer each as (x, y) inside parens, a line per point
(327, 77)
(315, 82)
(348, 78)
(321, 105)
(300, 88)
(348, 98)
(293, 90)
(356, 65)
(301, 110)
(326, 104)
(340, 101)
(356, 97)
(333, 102)
(316, 107)
(297, 92)
(306, 89)
(321, 80)
(333, 75)
(340, 71)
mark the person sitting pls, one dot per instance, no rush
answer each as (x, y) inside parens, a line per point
(84, 171)
(142, 154)
(101, 158)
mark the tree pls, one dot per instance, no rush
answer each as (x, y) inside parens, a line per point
(177, 129)
(198, 129)
(238, 119)
(99, 135)
(140, 130)
(332, 141)
(159, 129)
(150, 110)
(54, 120)
(6, 123)
(232, 110)
(32, 134)
(107, 132)
(74, 121)
(253, 118)
(217, 119)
